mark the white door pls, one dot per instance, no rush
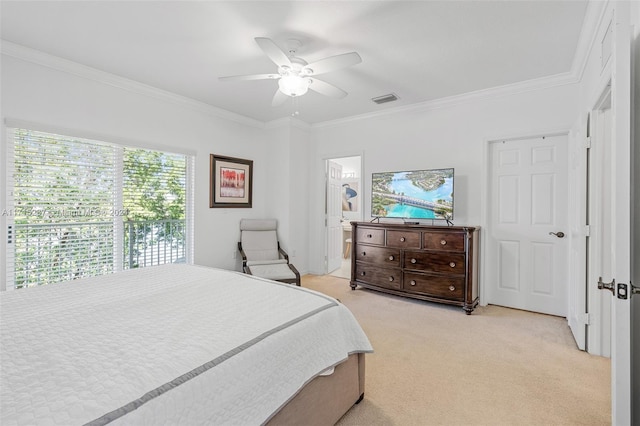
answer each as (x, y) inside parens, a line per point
(634, 353)
(615, 266)
(334, 215)
(620, 246)
(579, 170)
(527, 244)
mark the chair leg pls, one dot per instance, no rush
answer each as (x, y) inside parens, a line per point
(347, 248)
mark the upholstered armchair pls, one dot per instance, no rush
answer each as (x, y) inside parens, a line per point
(261, 252)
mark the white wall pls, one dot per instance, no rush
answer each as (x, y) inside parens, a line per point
(288, 190)
(86, 107)
(299, 198)
(430, 137)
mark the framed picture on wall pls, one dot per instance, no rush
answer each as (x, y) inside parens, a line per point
(230, 181)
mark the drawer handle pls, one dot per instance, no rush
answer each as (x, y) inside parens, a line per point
(452, 288)
(443, 242)
(390, 278)
(412, 282)
(369, 236)
(362, 273)
(414, 261)
(364, 253)
(402, 239)
(452, 264)
(390, 257)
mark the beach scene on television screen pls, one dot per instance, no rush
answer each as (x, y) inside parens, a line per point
(422, 194)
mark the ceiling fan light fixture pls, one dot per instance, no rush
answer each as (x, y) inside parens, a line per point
(295, 75)
(294, 85)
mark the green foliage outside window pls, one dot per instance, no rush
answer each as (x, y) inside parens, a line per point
(68, 206)
(154, 199)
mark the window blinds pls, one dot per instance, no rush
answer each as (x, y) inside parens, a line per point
(73, 203)
(154, 197)
(63, 208)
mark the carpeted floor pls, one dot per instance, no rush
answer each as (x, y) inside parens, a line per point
(434, 365)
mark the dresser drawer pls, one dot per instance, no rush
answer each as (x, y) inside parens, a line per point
(443, 241)
(370, 236)
(379, 255)
(434, 285)
(450, 263)
(403, 239)
(382, 277)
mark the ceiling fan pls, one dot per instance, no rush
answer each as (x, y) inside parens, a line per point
(295, 76)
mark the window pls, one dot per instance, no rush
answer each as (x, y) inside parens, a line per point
(79, 207)
(154, 197)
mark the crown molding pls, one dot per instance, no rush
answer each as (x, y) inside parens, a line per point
(299, 124)
(484, 94)
(60, 64)
(287, 122)
(280, 122)
(592, 21)
(593, 17)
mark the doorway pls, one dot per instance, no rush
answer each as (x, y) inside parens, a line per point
(343, 204)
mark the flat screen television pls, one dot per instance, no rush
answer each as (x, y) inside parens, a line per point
(413, 194)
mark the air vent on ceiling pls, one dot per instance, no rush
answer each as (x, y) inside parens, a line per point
(385, 98)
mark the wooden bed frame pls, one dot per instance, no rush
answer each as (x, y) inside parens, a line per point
(325, 399)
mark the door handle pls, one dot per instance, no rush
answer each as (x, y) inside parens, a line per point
(558, 234)
(622, 291)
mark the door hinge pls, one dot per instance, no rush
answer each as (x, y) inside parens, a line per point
(587, 142)
(587, 231)
(584, 319)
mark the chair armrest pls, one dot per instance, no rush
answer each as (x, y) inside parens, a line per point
(295, 271)
(282, 252)
(297, 274)
(244, 256)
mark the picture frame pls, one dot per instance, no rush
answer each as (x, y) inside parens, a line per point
(230, 182)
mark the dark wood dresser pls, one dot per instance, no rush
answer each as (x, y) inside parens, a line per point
(435, 263)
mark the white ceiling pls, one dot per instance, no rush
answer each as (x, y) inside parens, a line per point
(419, 50)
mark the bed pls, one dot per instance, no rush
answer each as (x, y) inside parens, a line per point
(177, 344)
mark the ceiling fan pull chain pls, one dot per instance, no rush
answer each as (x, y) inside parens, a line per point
(294, 106)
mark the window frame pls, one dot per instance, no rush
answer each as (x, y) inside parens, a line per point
(8, 258)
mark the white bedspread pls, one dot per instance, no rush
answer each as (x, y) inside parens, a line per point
(173, 344)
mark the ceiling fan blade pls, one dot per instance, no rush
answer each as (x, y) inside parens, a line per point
(326, 89)
(279, 98)
(273, 51)
(333, 63)
(250, 77)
